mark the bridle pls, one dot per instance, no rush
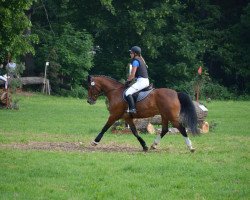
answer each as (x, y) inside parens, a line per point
(92, 88)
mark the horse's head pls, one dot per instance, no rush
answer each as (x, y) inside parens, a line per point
(93, 90)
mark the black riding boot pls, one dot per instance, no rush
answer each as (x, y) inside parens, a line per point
(131, 104)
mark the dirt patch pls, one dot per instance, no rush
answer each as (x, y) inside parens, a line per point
(72, 146)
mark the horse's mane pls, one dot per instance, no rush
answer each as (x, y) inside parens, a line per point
(108, 77)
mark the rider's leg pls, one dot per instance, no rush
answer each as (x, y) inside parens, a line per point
(131, 90)
(131, 103)
(137, 86)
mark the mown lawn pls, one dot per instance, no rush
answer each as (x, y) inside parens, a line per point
(219, 169)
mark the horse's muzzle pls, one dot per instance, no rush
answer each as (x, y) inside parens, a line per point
(91, 101)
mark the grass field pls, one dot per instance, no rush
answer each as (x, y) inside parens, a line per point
(45, 154)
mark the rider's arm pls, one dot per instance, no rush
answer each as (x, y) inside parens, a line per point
(132, 74)
(135, 64)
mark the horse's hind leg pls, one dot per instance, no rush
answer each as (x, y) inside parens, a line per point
(161, 135)
(134, 131)
(184, 134)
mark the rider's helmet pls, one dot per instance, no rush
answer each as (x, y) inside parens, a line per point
(136, 49)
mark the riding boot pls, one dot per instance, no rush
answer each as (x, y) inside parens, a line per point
(131, 104)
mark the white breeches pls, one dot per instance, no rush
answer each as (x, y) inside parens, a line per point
(5, 80)
(140, 84)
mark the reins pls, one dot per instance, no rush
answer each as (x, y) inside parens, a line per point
(100, 92)
(112, 90)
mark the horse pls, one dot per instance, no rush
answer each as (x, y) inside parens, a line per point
(173, 107)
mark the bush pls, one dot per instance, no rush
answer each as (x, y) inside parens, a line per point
(207, 90)
(216, 91)
(78, 92)
(15, 82)
(70, 56)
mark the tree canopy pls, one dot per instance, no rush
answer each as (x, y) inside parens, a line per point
(15, 39)
(176, 37)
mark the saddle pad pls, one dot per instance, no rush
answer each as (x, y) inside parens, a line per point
(138, 96)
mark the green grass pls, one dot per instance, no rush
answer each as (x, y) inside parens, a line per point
(39, 114)
(219, 169)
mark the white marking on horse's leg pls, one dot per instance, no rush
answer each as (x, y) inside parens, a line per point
(188, 141)
(156, 141)
(189, 144)
(94, 143)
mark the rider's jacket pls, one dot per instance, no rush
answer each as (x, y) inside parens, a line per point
(141, 71)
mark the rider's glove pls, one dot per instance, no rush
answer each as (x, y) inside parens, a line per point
(127, 83)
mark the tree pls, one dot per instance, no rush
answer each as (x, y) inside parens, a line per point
(70, 54)
(176, 37)
(14, 41)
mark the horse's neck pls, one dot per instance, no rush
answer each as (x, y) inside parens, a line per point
(109, 85)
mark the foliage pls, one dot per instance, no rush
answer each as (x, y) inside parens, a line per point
(176, 38)
(74, 51)
(216, 91)
(227, 58)
(205, 88)
(15, 83)
(77, 91)
(70, 56)
(241, 45)
(16, 74)
(15, 41)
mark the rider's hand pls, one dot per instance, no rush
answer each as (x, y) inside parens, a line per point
(127, 83)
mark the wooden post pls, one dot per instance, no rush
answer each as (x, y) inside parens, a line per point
(197, 93)
(7, 84)
(198, 84)
(45, 77)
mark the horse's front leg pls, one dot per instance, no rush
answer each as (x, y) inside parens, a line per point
(109, 123)
(134, 131)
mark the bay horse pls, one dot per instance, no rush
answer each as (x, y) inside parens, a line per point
(173, 107)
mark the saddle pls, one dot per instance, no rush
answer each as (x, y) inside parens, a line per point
(142, 94)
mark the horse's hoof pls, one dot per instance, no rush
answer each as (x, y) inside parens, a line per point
(153, 147)
(93, 143)
(145, 149)
(192, 150)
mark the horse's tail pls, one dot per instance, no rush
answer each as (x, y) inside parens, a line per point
(188, 116)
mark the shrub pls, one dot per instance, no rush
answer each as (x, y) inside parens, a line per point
(78, 92)
(215, 91)
(208, 89)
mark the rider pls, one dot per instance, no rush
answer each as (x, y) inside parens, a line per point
(140, 73)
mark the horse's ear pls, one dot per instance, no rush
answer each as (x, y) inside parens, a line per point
(89, 78)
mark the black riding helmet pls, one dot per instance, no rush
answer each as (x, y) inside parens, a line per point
(136, 49)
